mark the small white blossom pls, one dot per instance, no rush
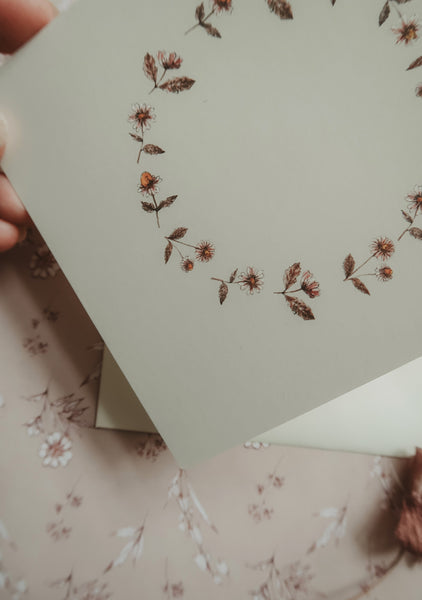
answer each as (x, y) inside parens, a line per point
(201, 561)
(56, 450)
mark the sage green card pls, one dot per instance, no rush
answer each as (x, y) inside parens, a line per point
(382, 417)
(255, 262)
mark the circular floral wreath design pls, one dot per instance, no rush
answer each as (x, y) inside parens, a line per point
(298, 283)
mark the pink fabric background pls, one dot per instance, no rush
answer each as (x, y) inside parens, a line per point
(91, 514)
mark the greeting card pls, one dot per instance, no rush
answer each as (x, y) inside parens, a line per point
(232, 189)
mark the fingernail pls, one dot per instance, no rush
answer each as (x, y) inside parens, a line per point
(3, 133)
(23, 232)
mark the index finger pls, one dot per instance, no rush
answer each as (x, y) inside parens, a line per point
(22, 19)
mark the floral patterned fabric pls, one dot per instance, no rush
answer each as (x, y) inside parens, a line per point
(90, 514)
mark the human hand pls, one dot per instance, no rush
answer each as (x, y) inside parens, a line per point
(19, 21)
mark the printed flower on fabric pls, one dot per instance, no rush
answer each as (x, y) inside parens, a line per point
(407, 32)
(56, 450)
(141, 116)
(43, 264)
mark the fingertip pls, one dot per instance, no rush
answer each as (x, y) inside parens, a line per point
(20, 20)
(9, 235)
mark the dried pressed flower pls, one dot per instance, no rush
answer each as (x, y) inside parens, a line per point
(384, 273)
(204, 251)
(418, 90)
(251, 280)
(170, 61)
(220, 5)
(415, 199)
(407, 32)
(311, 288)
(187, 265)
(409, 528)
(382, 248)
(148, 184)
(141, 116)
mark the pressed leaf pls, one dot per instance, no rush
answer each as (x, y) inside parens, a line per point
(415, 63)
(233, 275)
(384, 14)
(299, 308)
(137, 138)
(211, 30)
(222, 292)
(200, 12)
(281, 8)
(152, 149)
(178, 233)
(150, 68)
(359, 285)
(167, 252)
(348, 265)
(178, 84)
(416, 232)
(167, 202)
(291, 274)
(406, 216)
(148, 206)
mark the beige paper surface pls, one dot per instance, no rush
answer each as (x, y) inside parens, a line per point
(298, 142)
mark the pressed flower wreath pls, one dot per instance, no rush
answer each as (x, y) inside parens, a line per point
(157, 69)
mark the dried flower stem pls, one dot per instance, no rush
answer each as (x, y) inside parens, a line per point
(157, 83)
(224, 280)
(359, 267)
(156, 209)
(184, 243)
(142, 144)
(199, 24)
(378, 579)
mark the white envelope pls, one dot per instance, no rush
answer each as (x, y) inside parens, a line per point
(291, 149)
(381, 417)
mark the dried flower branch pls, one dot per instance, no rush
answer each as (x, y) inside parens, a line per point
(148, 185)
(141, 117)
(260, 509)
(381, 248)
(133, 548)
(218, 6)
(190, 509)
(168, 62)
(250, 281)
(414, 200)
(307, 285)
(204, 251)
(288, 583)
